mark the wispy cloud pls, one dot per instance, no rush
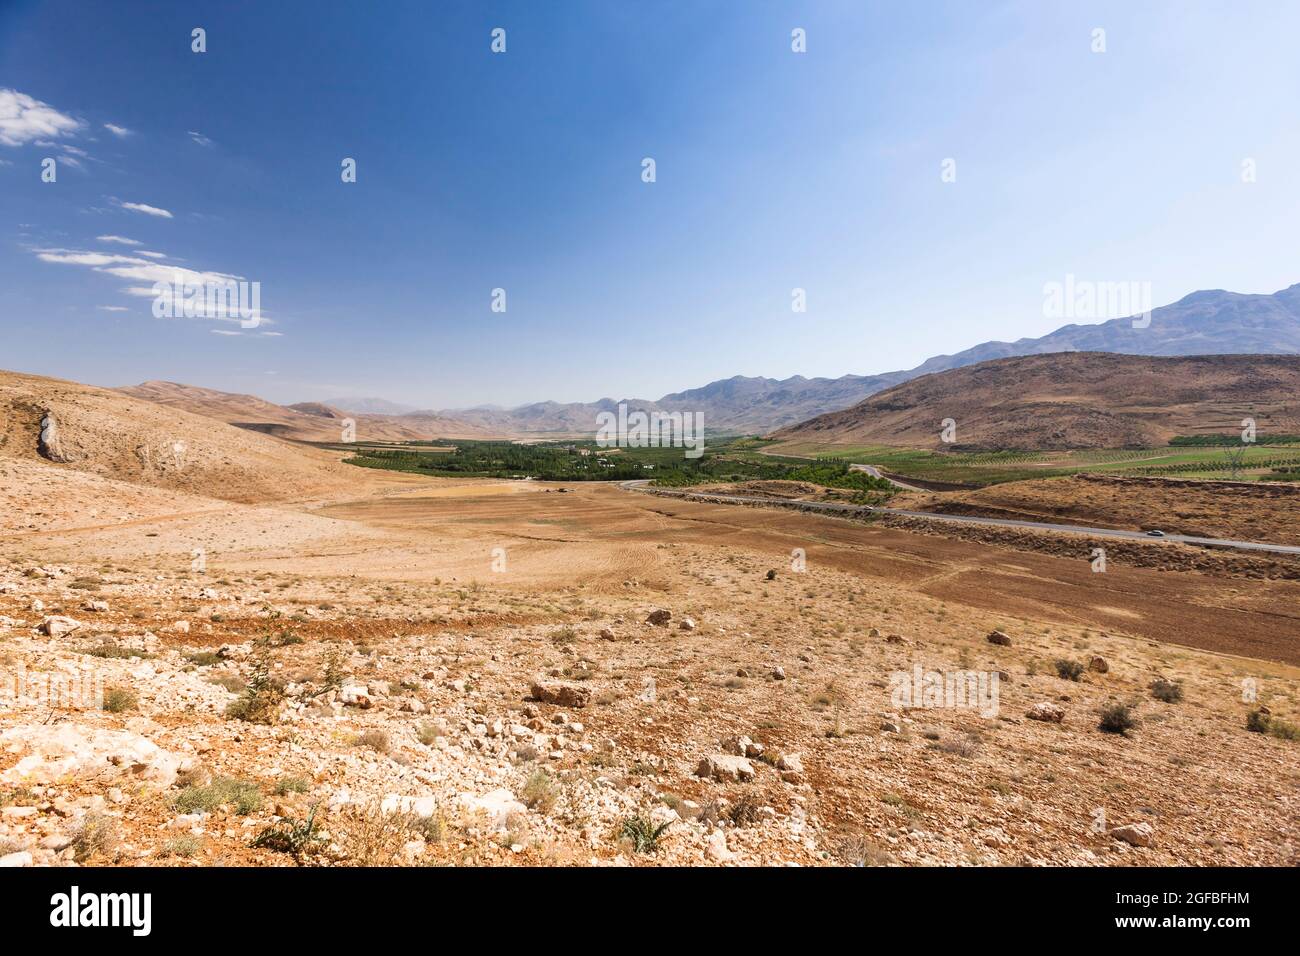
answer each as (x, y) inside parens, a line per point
(120, 239)
(24, 119)
(144, 208)
(121, 132)
(174, 279)
(112, 308)
(200, 138)
(224, 332)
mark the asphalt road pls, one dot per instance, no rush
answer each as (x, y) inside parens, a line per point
(874, 472)
(839, 509)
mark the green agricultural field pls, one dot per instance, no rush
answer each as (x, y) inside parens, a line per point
(749, 459)
(1181, 459)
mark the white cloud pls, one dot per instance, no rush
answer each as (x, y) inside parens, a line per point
(146, 209)
(122, 239)
(113, 308)
(153, 255)
(224, 332)
(24, 119)
(200, 138)
(177, 281)
(121, 132)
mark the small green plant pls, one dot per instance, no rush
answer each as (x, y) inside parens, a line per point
(21, 796)
(203, 658)
(294, 837)
(118, 699)
(1117, 718)
(1283, 730)
(1260, 721)
(1068, 669)
(262, 694)
(243, 795)
(1257, 721)
(376, 740)
(540, 792)
(97, 835)
(186, 846)
(645, 836)
(745, 811)
(286, 785)
(428, 734)
(333, 670)
(1169, 691)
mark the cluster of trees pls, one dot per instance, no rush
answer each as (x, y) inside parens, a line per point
(564, 463)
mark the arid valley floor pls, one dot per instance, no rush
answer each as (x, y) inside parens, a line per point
(433, 747)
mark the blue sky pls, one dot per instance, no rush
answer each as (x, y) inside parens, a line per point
(522, 171)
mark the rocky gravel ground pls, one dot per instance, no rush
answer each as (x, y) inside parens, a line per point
(728, 712)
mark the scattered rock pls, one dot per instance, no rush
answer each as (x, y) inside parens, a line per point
(659, 617)
(58, 625)
(1098, 665)
(715, 848)
(999, 638)
(687, 624)
(564, 695)
(422, 806)
(725, 768)
(48, 444)
(57, 751)
(1137, 834)
(496, 807)
(778, 673)
(1046, 711)
(355, 695)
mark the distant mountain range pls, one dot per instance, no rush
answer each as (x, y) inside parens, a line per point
(370, 406)
(1213, 322)
(1204, 323)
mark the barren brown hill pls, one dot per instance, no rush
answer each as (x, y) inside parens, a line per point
(1073, 400)
(310, 421)
(65, 426)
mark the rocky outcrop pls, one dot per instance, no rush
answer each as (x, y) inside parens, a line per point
(59, 751)
(49, 445)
